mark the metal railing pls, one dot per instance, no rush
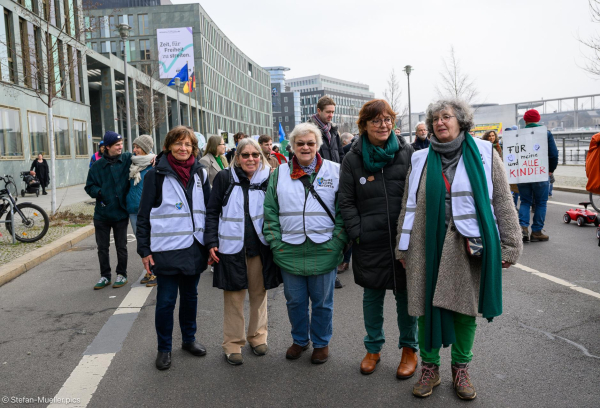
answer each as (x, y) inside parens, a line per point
(574, 151)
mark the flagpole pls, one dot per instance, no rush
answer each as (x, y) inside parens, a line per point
(197, 106)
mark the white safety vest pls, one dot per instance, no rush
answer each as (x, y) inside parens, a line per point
(231, 220)
(463, 202)
(300, 214)
(173, 225)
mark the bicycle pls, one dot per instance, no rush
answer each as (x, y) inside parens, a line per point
(30, 221)
(595, 201)
(9, 184)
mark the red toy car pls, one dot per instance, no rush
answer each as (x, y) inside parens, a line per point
(582, 216)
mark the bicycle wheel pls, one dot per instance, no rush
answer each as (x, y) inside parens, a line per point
(31, 228)
(12, 188)
(595, 200)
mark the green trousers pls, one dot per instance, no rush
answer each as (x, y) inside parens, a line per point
(464, 328)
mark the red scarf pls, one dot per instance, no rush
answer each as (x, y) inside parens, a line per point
(181, 168)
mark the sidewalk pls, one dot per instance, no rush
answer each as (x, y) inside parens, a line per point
(65, 197)
(570, 176)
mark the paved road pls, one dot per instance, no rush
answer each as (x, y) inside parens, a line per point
(542, 352)
(65, 196)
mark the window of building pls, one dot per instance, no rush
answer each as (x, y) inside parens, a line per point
(38, 133)
(104, 47)
(6, 48)
(285, 108)
(95, 46)
(146, 69)
(126, 19)
(80, 130)
(250, 70)
(61, 136)
(285, 99)
(280, 119)
(287, 118)
(112, 25)
(287, 128)
(113, 48)
(69, 17)
(25, 68)
(143, 25)
(144, 50)
(11, 141)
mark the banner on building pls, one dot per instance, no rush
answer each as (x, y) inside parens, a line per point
(175, 49)
(525, 153)
(479, 130)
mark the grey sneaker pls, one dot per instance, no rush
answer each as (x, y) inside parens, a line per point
(234, 358)
(260, 350)
(121, 281)
(525, 232)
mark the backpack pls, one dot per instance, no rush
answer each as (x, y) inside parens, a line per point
(592, 165)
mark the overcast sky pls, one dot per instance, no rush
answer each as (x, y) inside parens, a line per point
(515, 50)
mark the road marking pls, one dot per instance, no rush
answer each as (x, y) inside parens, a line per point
(85, 378)
(565, 204)
(558, 280)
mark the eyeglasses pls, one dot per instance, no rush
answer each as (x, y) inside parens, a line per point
(181, 144)
(247, 155)
(309, 144)
(377, 122)
(444, 118)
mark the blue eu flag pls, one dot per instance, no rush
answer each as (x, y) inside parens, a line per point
(281, 133)
(182, 74)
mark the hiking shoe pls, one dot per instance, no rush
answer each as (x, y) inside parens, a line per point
(102, 283)
(234, 358)
(121, 281)
(462, 382)
(525, 232)
(538, 236)
(152, 281)
(430, 378)
(146, 278)
(260, 350)
(338, 284)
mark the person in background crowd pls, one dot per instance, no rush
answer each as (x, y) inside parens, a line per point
(421, 140)
(108, 183)
(456, 189)
(236, 138)
(170, 238)
(347, 139)
(289, 151)
(371, 186)
(332, 146)
(492, 137)
(266, 145)
(306, 242)
(96, 156)
(280, 157)
(235, 210)
(39, 168)
(214, 157)
(141, 162)
(536, 193)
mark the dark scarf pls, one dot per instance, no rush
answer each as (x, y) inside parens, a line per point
(325, 128)
(375, 158)
(450, 153)
(439, 323)
(181, 168)
(421, 144)
(110, 159)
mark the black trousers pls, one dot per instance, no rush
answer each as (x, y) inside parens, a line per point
(103, 241)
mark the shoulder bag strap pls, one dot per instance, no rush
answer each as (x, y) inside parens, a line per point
(305, 180)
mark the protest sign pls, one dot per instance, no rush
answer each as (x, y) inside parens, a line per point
(479, 130)
(525, 154)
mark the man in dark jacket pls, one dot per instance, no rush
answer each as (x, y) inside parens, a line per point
(536, 192)
(108, 183)
(332, 146)
(421, 140)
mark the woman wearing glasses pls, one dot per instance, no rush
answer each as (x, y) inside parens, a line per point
(242, 259)
(214, 157)
(372, 183)
(170, 238)
(456, 190)
(306, 233)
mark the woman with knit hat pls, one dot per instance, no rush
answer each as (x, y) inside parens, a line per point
(141, 162)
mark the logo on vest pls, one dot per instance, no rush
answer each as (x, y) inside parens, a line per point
(179, 205)
(328, 183)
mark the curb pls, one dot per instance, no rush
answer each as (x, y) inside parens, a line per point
(19, 266)
(571, 189)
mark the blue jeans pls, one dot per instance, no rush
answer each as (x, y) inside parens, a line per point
(133, 220)
(550, 187)
(516, 200)
(319, 289)
(531, 192)
(373, 316)
(166, 297)
(347, 256)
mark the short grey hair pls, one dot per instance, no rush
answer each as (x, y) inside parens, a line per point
(461, 109)
(346, 136)
(419, 124)
(304, 129)
(242, 144)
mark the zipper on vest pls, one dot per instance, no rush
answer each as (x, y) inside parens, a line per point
(387, 206)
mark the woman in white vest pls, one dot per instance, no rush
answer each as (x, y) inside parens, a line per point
(307, 238)
(170, 237)
(242, 259)
(458, 228)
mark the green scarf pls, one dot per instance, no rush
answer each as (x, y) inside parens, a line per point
(375, 158)
(439, 323)
(219, 162)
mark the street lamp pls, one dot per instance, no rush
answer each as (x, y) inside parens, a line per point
(124, 33)
(408, 70)
(177, 85)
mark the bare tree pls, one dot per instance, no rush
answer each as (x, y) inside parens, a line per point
(455, 82)
(593, 43)
(46, 62)
(393, 94)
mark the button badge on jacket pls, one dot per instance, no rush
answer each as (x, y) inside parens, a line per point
(179, 205)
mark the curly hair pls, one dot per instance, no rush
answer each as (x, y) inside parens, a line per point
(486, 136)
(461, 109)
(180, 133)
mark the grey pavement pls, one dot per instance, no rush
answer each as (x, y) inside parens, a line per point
(65, 196)
(542, 352)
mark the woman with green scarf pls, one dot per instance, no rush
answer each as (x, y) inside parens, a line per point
(372, 183)
(458, 228)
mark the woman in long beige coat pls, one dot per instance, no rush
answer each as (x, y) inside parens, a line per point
(457, 188)
(214, 157)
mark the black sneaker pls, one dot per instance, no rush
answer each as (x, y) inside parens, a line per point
(525, 232)
(338, 284)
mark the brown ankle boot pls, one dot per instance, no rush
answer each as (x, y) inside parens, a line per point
(538, 236)
(320, 355)
(430, 378)
(369, 363)
(462, 382)
(408, 364)
(295, 351)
